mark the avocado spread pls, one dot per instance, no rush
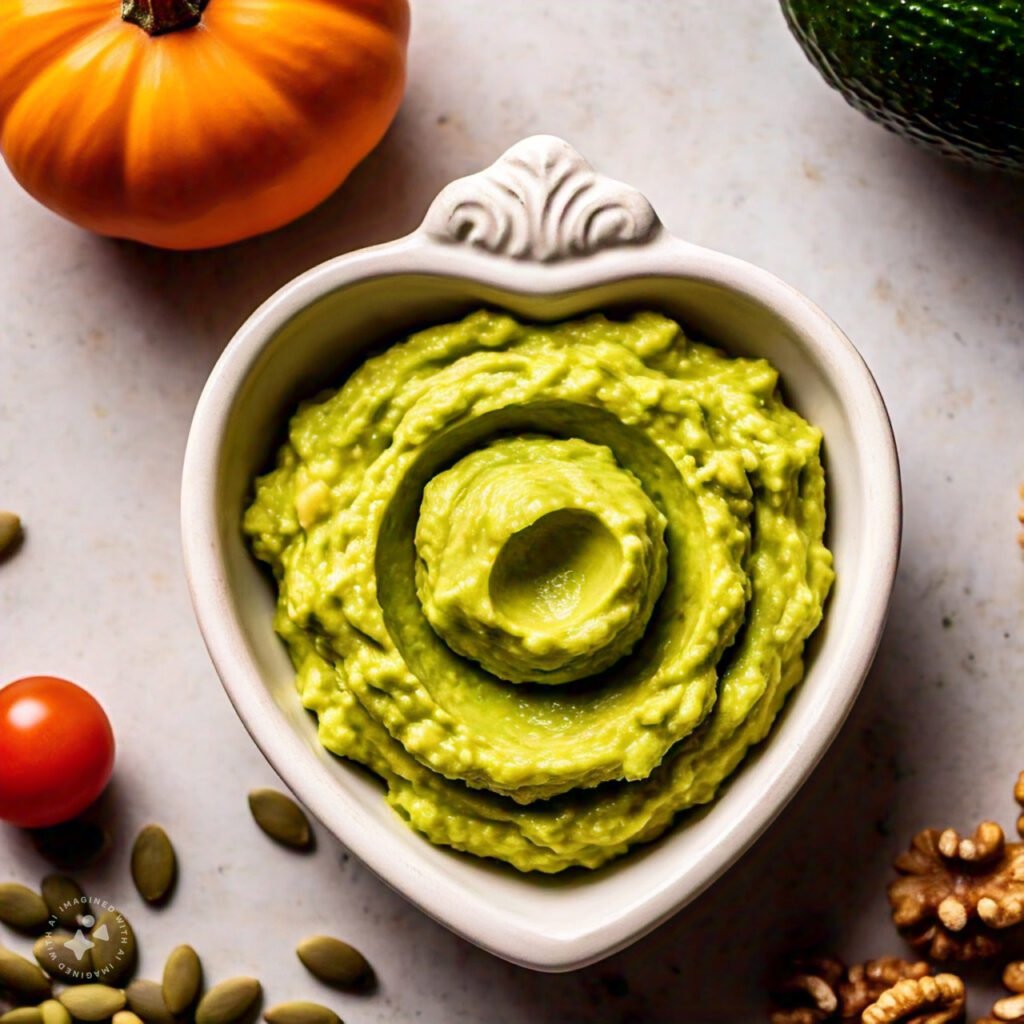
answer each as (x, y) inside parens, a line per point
(550, 582)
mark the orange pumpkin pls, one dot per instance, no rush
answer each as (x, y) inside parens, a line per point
(192, 123)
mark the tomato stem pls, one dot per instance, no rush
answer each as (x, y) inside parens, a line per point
(157, 17)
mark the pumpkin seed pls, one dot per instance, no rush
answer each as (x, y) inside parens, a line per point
(62, 961)
(22, 977)
(228, 1002)
(74, 844)
(10, 529)
(335, 962)
(116, 952)
(154, 865)
(301, 1013)
(54, 1012)
(281, 818)
(183, 975)
(92, 1002)
(126, 1017)
(64, 898)
(21, 908)
(23, 1015)
(147, 1001)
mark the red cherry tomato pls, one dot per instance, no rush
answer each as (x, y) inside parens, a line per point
(56, 751)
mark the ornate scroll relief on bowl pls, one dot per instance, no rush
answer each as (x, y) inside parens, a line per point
(541, 201)
(540, 234)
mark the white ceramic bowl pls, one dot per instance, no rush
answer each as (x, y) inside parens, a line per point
(540, 234)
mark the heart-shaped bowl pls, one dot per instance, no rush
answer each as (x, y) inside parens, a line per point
(541, 235)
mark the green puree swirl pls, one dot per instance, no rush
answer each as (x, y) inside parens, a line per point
(550, 582)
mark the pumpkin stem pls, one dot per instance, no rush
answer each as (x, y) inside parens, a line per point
(157, 17)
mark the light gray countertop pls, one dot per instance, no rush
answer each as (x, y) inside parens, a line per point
(713, 112)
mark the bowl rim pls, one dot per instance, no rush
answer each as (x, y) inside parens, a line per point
(641, 250)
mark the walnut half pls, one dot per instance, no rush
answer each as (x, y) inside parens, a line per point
(928, 1000)
(810, 994)
(1011, 1008)
(823, 989)
(957, 894)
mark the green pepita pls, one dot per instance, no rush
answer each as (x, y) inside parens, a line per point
(23, 1015)
(281, 818)
(54, 1012)
(92, 1002)
(64, 898)
(22, 977)
(154, 865)
(63, 958)
(335, 962)
(126, 1017)
(183, 976)
(21, 908)
(10, 529)
(147, 1001)
(301, 1013)
(228, 1001)
(75, 844)
(115, 952)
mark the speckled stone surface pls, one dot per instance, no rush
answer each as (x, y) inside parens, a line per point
(712, 111)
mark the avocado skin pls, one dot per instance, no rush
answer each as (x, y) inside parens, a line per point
(946, 73)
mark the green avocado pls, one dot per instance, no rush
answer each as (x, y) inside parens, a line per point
(946, 73)
(549, 582)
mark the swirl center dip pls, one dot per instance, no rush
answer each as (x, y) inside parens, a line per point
(540, 559)
(550, 582)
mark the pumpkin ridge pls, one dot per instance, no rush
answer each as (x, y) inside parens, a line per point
(336, 20)
(253, 95)
(251, 63)
(71, 126)
(317, 11)
(17, 72)
(318, 20)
